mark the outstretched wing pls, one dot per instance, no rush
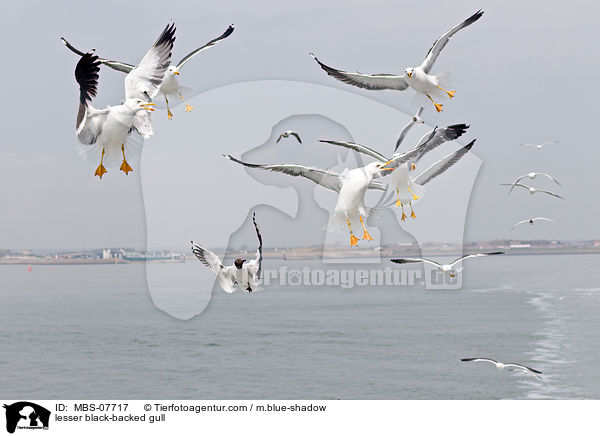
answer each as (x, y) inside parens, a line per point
(441, 42)
(325, 178)
(86, 74)
(145, 79)
(208, 258)
(519, 223)
(406, 128)
(210, 43)
(443, 164)
(479, 359)
(212, 262)
(89, 120)
(437, 137)
(475, 255)
(295, 135)
(416, 260)
(374, 82)
(115, 65)
(255, 265)
(523, 367)
(550, 193)
(359, 148)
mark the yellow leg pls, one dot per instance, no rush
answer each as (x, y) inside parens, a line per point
(414, 196)
(412, 212)
(398, 203)
(438, 107)
(169, 114)
(100, 171)
(450, 93)
(403, 214)
(365, 234)
(188, 108)
(353, 239)
(125, 166)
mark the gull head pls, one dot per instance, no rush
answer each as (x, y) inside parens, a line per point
(239, 262)
(531, 175)
(173, 70)
(417, 119)
(375, 169)
(409, 72)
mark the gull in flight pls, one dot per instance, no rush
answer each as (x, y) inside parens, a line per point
(530, 221)
(106, 130)
(170, 85)
(407, 188)
(416, 119)
(418, 78)
(351, 186)
(530, 189)
(500, 365)
(532, 176)
(445, 268)
(287, 133)
(243, 272)
(539, 146)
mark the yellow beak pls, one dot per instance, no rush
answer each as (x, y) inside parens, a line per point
(145, 106)
(409, 75)
(412, 166)
(386, 164)
(176, 73)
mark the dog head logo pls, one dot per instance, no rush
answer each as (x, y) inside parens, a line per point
(24, 414)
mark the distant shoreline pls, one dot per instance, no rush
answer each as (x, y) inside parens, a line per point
(311, 253)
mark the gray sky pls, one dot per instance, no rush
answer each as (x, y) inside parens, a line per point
(524, 73)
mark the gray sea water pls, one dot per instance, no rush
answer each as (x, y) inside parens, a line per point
(80, 332)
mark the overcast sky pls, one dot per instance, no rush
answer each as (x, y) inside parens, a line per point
(525, 72)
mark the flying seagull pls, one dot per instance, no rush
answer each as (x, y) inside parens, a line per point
(533, 176)
(408, 188)
(170, 85)
(287, 134)
(418, 78)
(416, 119)
(351, 186)
(446, 268)
(530, 189)
(243, 273)
(500, 365)
(539, 146)
(106, 130)
(530, 221)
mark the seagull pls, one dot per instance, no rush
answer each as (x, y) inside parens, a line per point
(539, 146)
(351, 186)
(407, 188)
(416, 119)
(418, 78)
(107, 129)
(242, 272)
(533, 176)
(287, 134)
(446, 268)
(531, 190)
(531, 221)
(170, 85)
(500, 365)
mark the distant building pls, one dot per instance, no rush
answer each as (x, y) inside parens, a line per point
(106, 254)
